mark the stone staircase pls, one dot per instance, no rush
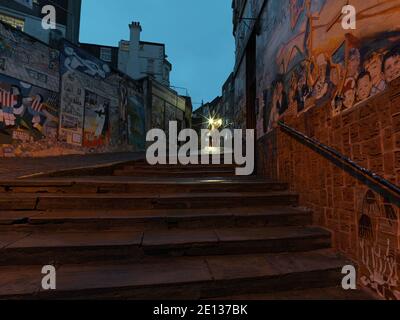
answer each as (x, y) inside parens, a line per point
(168, 232)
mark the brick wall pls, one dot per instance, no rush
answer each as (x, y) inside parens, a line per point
(365, 224)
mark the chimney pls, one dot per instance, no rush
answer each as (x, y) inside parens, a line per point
(133, 65)
(135, 29)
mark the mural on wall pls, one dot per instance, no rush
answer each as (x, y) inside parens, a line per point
(27, 113)
(96, 120)
(29, 60)
(85, 112)
(43, 116)
(170, 115)
(136, 122)
(158, 111)
(378, 246)
(76, 59)
(318, 63)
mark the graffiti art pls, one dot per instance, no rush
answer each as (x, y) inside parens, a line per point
(377, 232)
(26, 112)
(312, 71)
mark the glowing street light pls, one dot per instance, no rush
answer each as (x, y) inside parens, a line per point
(215, 124)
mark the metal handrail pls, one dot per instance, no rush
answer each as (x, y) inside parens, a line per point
(344, 159)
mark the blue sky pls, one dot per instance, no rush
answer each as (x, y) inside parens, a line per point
(197, 34)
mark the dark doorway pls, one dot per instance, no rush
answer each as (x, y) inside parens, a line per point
(251, 83)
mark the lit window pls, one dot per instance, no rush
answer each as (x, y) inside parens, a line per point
(106, 54)
(14, 22)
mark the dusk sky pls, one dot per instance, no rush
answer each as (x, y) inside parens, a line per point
(197, 34)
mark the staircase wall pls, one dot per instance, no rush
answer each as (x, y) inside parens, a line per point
(364, 222)
(340, 86)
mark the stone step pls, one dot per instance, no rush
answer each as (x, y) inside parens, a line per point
(174, 173)
(137, 185)
(29, 201)
(330, 293)
(159, 218)
(202, 277)
(188, 167)
(131, 244)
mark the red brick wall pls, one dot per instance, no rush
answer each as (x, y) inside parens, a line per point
(365, 225)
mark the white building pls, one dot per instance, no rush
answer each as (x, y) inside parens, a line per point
(139, 59)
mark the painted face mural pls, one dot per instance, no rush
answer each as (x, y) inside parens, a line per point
(391, 65)
(373, 66)
(349, 93)
(364, 86)
(331, 68)
(353, 68)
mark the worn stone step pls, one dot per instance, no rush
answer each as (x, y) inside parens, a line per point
(38, 247)
(175, 173)
(188, 167)
(178, 278)
(28, 201)
(137, 185)
(330, 293)
(161, 218)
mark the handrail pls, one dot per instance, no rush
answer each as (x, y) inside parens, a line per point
(365, 172)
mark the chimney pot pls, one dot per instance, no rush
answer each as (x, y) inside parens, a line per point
(135, 24)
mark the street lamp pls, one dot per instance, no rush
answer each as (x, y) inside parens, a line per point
(214, 124)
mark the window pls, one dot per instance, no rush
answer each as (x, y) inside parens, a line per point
(106, 54)
(124, 46)
(15, 22)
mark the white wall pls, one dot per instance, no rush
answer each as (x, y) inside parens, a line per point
(140, 59)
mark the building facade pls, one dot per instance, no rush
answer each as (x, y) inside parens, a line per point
(136, 58)
(227, 102)
(164, 105)
(297, 64)
(140, 59)
(27, 16)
